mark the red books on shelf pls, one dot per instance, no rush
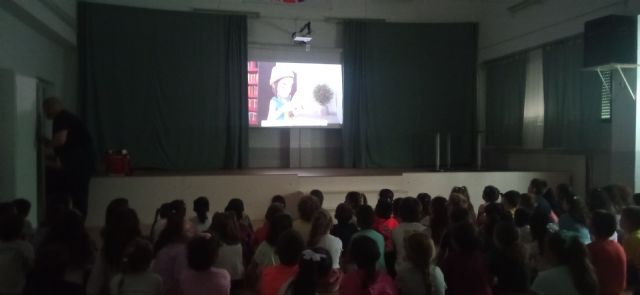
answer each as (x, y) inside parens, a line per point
(252, 91)
(253, 79)
(253, 105)
(252, 66)
(253, 118)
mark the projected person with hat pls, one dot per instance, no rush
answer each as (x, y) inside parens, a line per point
(284, 85)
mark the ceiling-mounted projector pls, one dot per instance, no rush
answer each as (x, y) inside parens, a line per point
(303, 39)
(303, 36)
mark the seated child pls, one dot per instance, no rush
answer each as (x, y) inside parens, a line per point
(202, 277)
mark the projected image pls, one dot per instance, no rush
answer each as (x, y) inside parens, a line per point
(294, 94)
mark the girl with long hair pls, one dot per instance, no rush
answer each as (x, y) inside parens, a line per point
(425, 202)
(508, 262)
(159, 221)
(462, 190)
(576, 215)
(201, 221)
(289, 250)
(319, 236)
(314, 267)
(262, 232)
(410, 221)
(116, 236)
(70, 231)
(226, 229)
(490, 195)
(307, 208)
(344, 229)
(464, 268)
(136, 277)
(202, 277)
(421, 277)
(170, 249)
(439, 218)
(570, 272)
(265, 255)
(367, 279)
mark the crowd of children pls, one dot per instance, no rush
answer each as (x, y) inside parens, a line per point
(546, 241)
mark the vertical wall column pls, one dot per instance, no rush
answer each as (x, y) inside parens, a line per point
(636, 180)
(7, 135)
(18, 151)
(26, 153)
(623, 130)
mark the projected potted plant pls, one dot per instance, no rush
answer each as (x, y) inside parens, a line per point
(323, 95)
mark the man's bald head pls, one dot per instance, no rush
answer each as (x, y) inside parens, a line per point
(52, 106)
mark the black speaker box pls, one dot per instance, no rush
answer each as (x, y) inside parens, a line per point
(611, 39)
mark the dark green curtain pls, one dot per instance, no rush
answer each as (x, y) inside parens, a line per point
(505, 90)
(355, 93)
(168, 86)
(571, 98)
(403, 83)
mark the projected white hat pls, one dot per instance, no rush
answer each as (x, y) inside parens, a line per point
(280, 72)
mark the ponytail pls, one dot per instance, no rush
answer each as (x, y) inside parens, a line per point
(202, 217)
(153, 225)
(201, 207)
(518, 253)
(315, 264)
(508, 238)
(426, 279)
(320, 226)
(582, 271)
(569, 251)
(364, 251)
(420, 249)
(370, 273)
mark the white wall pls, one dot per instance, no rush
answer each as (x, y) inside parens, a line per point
(28, 50)
(623, 132)
(637, 124)
(18, 153)
(55, 19)
(35, 44)
(145, 194)
(26, 161)
(7, 134)
(503, 33)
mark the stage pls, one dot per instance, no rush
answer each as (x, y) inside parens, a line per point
(147, 190)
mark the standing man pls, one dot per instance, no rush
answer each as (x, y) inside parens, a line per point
(73, 149)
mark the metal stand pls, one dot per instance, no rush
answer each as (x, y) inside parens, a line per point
(618, 67)
(437, 151)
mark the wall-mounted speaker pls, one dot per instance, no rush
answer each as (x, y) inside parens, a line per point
(611, 39)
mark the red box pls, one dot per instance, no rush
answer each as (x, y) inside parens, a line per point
(118, 163)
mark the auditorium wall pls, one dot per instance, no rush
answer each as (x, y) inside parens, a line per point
(35, 42)
(145, 194)
(18, 151)
(503, 33)
(36, 50)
